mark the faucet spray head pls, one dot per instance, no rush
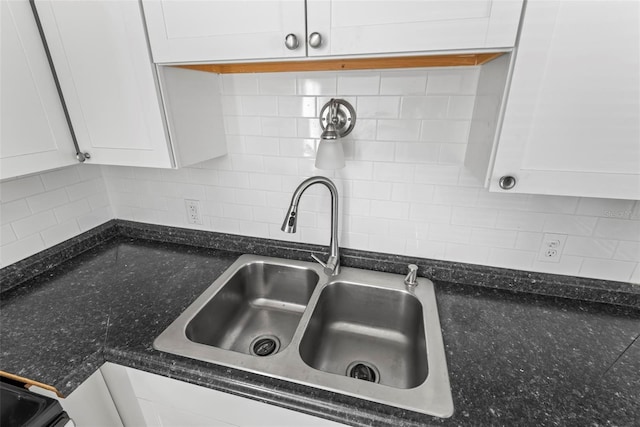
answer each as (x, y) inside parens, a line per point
(291, 220)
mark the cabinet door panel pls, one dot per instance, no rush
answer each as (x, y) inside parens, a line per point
(358, 27)
(34, 133)
(100, 53)
(187, 31)
(572, 119)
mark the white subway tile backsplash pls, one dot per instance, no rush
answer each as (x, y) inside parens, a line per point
(570, 224)
(297, 106)
(474, 217)
(81, 207)
(60, 178)
(377, 107)
(33, 224)
(46, 201)
(13, 211)
(373, 150)
(317, 84)
(437, 174)
(59, 233)
(467, 253)
(449, 233)
(628, 251)
(20, 249)
(391, 210)
(372, 190)
(607, 269)
(21, 187)
(393, 172)
(529, 241)
(424, 107)
(515, 259)
(432, 214)
(404, 189)
(405, 192)
(277, 84)
(453, 81)
(635, 276)
(278, 126)
(607, 208)
(522, 221)
(405, 82)
(461, 107)
(259, 105)
(417, 152)
(493, 238)
(54, 206)
(445, 131)
(7, 235)
(452, 153)
(238, 212)
(358, 83)
(590, 247)
(398, 130)
(239, 84)
(621, 229)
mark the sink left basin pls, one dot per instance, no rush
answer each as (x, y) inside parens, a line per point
(256, 311)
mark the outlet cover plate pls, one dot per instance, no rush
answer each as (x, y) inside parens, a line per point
(552, 247)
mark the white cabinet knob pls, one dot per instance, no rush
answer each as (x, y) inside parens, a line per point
(291, 42)
(315, 40)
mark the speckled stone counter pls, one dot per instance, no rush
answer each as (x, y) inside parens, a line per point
(513, 357)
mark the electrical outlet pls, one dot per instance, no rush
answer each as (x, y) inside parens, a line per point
(552, 246)
(193, 211)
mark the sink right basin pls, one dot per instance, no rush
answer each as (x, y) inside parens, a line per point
(368, 333)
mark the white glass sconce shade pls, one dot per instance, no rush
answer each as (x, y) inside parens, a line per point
(330, 155)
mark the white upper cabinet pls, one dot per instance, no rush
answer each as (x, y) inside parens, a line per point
(206, 30)
(351, 27)
(34, 135)
(101, 57)
(114, 95)
(231, 30)
(572, 120)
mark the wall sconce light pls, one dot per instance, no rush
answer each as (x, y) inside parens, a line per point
(337, 119)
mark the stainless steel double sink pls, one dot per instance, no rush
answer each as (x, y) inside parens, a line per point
(360, 333)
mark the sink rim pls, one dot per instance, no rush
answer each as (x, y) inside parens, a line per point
(432, 397)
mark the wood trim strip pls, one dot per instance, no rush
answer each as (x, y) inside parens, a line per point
(28, 383)
(347, 64)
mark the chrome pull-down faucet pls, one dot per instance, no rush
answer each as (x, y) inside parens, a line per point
(332, 266)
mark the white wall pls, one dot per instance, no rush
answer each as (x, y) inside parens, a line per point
(404, 189)
(42, 210)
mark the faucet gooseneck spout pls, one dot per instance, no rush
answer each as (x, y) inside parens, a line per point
(332, 266)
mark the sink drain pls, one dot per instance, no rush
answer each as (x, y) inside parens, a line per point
(264, 345)
(363, 371)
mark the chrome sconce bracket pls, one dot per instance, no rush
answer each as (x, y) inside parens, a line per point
(343, 117)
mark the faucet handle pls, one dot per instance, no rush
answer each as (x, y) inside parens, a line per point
(411, 278)
(322, 263)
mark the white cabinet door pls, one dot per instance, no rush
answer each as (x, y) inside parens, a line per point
(34, 135)
(572, 119)
(349, 27)
(169, 402)
(100, 52)
(206, 30)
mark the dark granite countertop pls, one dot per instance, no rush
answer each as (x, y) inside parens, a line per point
(513, 357)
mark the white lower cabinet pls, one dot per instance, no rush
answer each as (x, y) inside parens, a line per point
(145, 399)
(90, 405)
